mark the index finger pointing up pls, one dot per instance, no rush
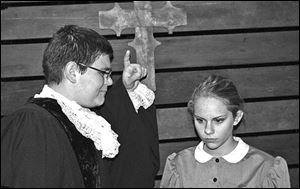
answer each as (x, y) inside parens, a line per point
(127, 58)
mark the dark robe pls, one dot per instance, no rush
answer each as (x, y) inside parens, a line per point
(137, 163)
(38, 148)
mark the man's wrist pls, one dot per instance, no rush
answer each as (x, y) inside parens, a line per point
(141, 96)
(135, 85)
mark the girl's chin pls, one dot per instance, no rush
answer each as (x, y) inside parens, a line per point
(211, 146)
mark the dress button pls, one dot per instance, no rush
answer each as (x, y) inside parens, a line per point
(215, 179)
(217, 160)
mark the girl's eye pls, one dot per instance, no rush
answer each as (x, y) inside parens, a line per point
(219, 120)
(199, 120)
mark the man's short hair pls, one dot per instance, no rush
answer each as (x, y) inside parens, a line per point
(73, 43)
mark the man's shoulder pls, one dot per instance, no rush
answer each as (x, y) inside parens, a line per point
(28, 113)
(28, 108)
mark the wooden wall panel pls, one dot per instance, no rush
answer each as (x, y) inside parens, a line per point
(175, 123)
(42, 21)
(294, 177)
(177, 87)
(255, 43)
(22, 1)
(14, 94)
(227, 49)
(178, 52)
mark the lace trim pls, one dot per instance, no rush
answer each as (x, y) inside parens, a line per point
(141, 96)
(88, 123)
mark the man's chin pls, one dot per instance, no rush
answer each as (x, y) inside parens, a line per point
(100, 102)
(97, 103)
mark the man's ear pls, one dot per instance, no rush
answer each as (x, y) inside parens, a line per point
(238, 117)
(71, 71)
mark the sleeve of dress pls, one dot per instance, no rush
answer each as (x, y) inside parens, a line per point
(170, 178)
(278, 175)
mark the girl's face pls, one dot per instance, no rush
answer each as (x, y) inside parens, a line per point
(214, 124)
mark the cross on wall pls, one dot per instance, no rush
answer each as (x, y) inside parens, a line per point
(143, 18)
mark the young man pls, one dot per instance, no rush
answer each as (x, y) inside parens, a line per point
(55, 140)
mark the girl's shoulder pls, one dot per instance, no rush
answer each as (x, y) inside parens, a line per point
(182, 156)
(259, 156)
(274, 169)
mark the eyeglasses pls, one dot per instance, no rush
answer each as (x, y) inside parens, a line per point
(106, 74)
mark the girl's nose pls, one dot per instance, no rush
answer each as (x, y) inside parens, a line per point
(209, 129)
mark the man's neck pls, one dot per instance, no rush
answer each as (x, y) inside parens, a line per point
(63, 90)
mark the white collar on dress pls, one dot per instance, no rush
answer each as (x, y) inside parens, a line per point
(234, 156)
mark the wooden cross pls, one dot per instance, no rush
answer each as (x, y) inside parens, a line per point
(143, 18)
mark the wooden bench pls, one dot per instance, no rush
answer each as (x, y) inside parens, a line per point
(256, 44)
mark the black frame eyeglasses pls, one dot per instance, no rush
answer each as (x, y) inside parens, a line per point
(106, 74)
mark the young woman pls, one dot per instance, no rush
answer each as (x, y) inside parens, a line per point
(221, 160)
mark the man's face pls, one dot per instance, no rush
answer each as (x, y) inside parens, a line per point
(93, 84)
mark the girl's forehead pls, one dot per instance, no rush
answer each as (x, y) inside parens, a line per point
(207, 100)
(210, 105)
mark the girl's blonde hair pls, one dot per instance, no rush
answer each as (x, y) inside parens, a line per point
(218, 87)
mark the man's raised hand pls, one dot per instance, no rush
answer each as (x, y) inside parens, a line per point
(132, 73)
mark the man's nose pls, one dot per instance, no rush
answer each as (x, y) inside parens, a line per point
(109, 81)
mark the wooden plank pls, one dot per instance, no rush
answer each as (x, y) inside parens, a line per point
(286, 146)
(268, 116)
(23, 1)
(175, 52)
(22, 60)
(230, 49)
(41, 21)
(177, 87)
(294, 178)
(11, 100)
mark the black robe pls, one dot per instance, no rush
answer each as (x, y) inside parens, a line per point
(137, 163)
(37, 151)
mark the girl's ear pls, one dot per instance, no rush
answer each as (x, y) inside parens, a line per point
(238, 117)
(71, 71)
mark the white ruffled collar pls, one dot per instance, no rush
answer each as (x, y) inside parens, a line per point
(234, 156)
(87, 122)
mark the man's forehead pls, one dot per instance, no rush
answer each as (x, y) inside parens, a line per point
(103, 61)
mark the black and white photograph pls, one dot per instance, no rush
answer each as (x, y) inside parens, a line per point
(149, 94)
